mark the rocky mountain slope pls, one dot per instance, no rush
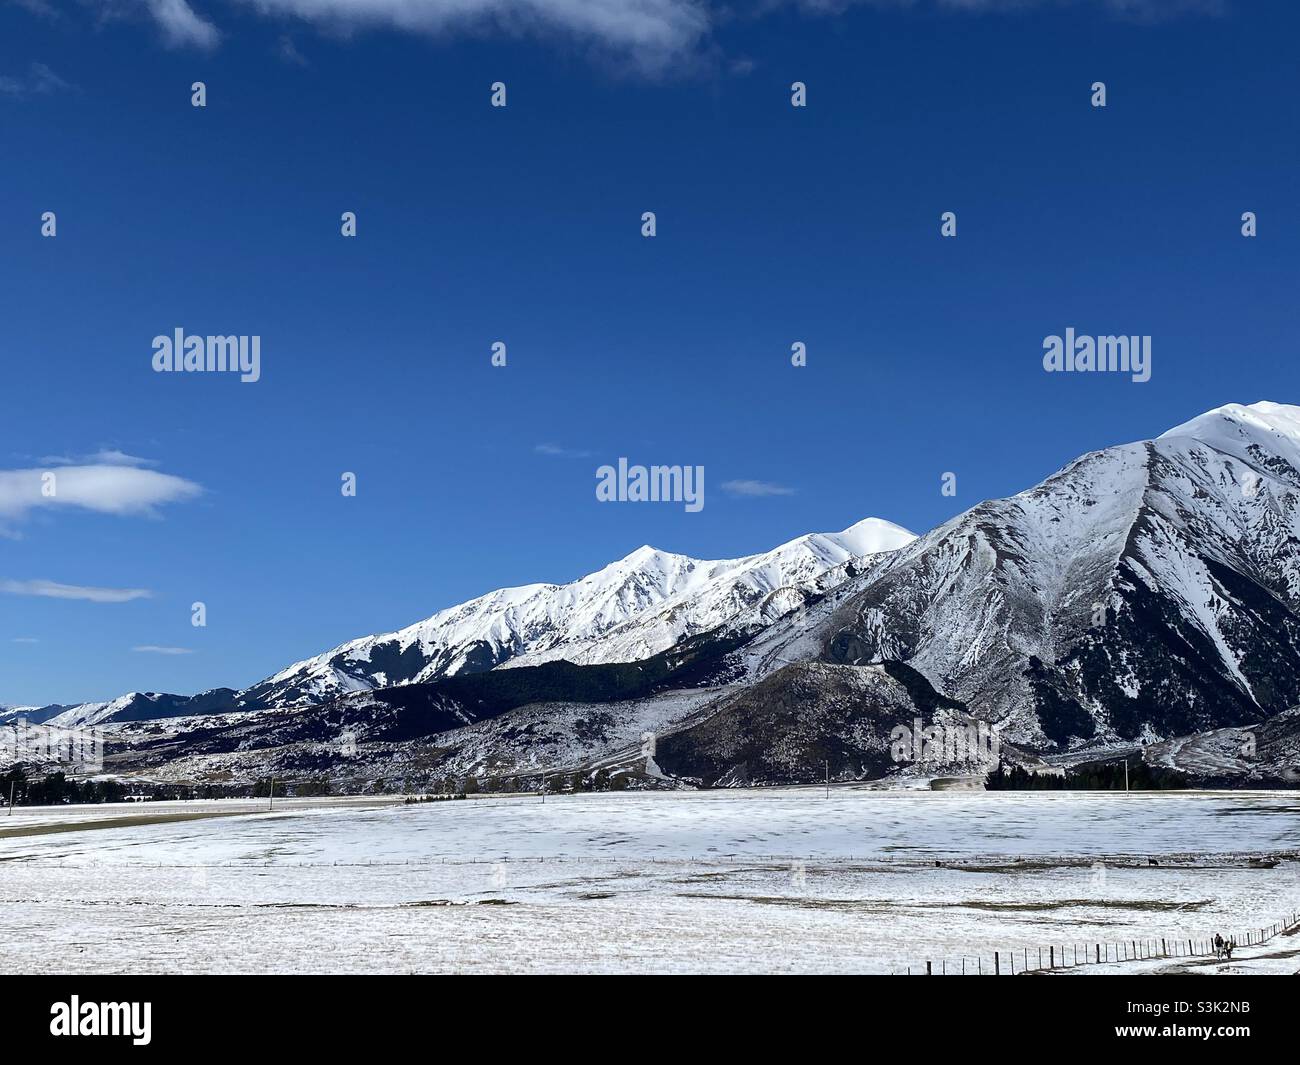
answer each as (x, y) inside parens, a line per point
(630, 610)
(1146, 596)
(1145, 591)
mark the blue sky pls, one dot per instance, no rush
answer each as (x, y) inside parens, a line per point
(522, 225)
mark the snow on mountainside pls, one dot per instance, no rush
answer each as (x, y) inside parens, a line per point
(1146, 594)
(138, 706)
(1145, 591)
(33, 715)
(630, 610)
(1233, 428)
(88, 714)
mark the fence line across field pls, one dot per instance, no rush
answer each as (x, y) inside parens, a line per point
(980, 864)
(1057, 957)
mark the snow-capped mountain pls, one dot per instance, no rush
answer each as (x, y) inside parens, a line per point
(33, 715)
(1147, 594)
(632, 609)
(1145, 591)
(142, 706)
(89, 714)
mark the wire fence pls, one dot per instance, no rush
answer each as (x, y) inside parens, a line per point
(812, 864)
(1062, 956)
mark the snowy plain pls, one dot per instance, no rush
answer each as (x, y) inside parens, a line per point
(771, 880)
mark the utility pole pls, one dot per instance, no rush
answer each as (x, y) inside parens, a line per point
(272, 806)
(1126, 772)
(11, 797)
(828, 779)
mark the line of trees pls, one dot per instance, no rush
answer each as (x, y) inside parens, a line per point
(1094, 776)
(56, 789)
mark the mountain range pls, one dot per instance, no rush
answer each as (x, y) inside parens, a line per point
(1145, 594)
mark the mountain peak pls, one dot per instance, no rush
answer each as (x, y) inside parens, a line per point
(871, 535)
(645, 553)
(628, 610)
(1239, 418)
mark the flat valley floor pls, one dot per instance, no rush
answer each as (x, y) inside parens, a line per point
(753, 881)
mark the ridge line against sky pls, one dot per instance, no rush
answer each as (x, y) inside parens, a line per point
(129, 504)
(775, 225)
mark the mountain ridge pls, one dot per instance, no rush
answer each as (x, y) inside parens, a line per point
(1144, 592)
(604, 616)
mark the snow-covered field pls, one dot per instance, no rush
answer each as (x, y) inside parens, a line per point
(749, 881)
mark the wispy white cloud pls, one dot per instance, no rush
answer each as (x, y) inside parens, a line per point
(24, 639)
(103, 457)
(649, 37)
(288, 51)
(556, 451)
(755, 488)
(182, 26)
(39, 80)
(54, 590)
(153, 649)
(107, 487)
(39, 7)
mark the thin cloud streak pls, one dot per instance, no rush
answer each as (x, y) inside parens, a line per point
(102, 457)
(39, 80)
(108, 488)
(756, 489)
(556, 451)
(182, 26)
(652, 38)
(55, 590)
